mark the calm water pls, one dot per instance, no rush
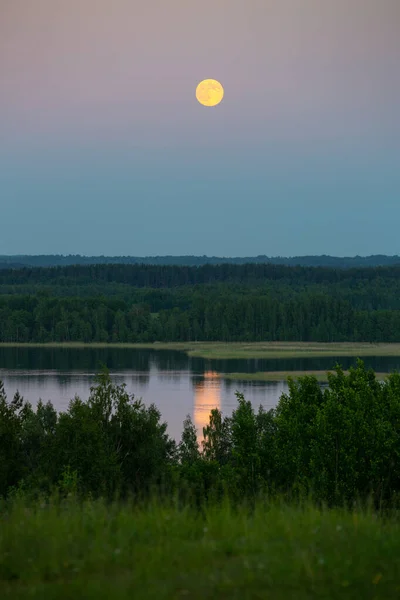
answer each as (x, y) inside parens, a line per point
(177, 384)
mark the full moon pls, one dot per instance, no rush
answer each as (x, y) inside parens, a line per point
(209, 92)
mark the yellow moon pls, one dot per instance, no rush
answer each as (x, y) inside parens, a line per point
(209, 92)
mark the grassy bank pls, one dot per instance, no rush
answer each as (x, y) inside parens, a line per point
(283, 375)
(100, 552)
(219, 350)
(293, 350)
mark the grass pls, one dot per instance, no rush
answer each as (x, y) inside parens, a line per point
(220, 350)
(293, 350)
(283, 375)
(95, 551)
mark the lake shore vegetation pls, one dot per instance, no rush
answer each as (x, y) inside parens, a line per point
(300, 501)
(321, 376)
(339, 444)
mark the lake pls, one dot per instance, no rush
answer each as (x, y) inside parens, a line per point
(177, 384)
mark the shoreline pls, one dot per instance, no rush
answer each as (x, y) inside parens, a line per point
(238, 350)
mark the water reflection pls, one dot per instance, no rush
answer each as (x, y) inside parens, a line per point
(171, 376)
(146, 360)
(177, 384)
(140, 379)
(207, 396)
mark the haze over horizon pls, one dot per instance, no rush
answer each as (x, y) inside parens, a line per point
(105, 151)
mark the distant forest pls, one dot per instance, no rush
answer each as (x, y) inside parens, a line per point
(146, 303)
(55, 260)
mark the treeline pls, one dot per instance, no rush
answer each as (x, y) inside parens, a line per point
(139, 303)
(340, 445)
(249, 318)
(155, 276)
(52, 260)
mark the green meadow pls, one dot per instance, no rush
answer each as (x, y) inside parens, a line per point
(100, 551)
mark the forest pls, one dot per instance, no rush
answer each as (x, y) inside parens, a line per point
(147, 303)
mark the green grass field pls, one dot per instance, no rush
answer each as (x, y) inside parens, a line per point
(219, 350)
(118, 552)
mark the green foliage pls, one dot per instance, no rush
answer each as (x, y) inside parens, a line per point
(217, 442)
(11, 458)
(226, 302)
(68, 484)
(188, 449)
(110, 444)
(295, 425)
(339, 446)
(358, 429)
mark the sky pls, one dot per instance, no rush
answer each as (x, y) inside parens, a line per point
(104, 149)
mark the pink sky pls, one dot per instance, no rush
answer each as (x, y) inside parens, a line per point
(109, 67)
(97, 100)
